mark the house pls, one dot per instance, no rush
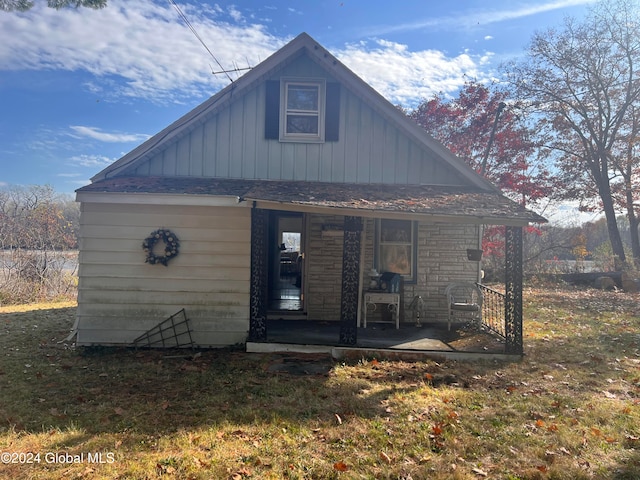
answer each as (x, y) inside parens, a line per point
(278, 196)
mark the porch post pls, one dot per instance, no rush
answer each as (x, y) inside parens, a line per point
(258, 281)
(350, 298)
(513, 290)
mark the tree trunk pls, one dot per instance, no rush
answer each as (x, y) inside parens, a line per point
(634, 222)
(615, 238)
(631, 215)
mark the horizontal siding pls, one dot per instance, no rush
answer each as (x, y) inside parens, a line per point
(231, 144)
(145, 284)
(110, 337)
(120, 296)
(115, 245)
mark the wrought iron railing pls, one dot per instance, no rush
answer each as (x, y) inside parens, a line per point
(493, 308)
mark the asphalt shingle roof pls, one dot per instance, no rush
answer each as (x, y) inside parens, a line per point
(428, 200)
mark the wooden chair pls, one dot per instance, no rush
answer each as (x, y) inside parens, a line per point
(464, 300)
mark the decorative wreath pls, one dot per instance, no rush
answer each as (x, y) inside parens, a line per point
(170, 250)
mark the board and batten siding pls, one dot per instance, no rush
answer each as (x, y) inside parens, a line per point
(121, 297)
(231, 144)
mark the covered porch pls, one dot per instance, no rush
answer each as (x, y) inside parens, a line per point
(498, 330)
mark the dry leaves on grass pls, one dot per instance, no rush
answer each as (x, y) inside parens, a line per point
(340, 466)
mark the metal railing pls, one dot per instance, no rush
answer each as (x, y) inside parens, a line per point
(493, 310)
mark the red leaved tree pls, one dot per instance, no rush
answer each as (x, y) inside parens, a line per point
(482, 127)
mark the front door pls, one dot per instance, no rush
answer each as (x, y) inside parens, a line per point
(286, 262)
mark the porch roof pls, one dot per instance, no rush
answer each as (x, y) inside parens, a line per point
(433, 202)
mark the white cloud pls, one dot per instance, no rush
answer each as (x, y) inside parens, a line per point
(141, 43)
(143, 49)
(405, 77)
(93, 161)
(97, 134)
(473, 18)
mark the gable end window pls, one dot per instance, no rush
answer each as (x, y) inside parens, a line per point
(302, 110)
(396, 247)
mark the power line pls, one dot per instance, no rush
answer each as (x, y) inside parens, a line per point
(193, 30)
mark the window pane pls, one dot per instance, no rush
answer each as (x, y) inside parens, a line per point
(302, 124)
(291, 241)
(397, 231)
(396, 259)
(302, 97)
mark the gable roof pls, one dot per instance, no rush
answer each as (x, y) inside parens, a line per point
(302, 44)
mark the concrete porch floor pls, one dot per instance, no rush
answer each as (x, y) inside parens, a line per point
(381, 340)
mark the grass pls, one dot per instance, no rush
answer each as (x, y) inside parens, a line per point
(569, 410)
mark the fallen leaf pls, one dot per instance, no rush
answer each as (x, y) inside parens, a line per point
(480, 472)
(340, 466)
(385, 457)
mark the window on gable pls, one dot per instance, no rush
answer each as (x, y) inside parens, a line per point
(302, 111)
(396, 251)
(311, 113)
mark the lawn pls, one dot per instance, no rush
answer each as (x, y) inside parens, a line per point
(570, 409)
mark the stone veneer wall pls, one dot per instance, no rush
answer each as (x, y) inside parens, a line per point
(324, 267)
(442, 258)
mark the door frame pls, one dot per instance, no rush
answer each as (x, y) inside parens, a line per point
(273, 261)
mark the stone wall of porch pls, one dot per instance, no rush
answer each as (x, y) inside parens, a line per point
(441, 259)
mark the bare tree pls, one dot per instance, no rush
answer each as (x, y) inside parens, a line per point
(581, 82)
(37, 229)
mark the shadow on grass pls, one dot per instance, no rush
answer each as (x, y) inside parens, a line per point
(155, 392)
(573, 363)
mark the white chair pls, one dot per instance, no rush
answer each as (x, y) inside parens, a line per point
(464, 300)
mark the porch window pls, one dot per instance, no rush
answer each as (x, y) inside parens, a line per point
(302, 111)
(396, 247)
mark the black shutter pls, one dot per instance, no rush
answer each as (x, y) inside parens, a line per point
(332, 113)
(272, 111)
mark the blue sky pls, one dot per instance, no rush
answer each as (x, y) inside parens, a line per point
(80, 88)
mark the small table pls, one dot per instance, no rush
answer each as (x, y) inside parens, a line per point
(392, 300)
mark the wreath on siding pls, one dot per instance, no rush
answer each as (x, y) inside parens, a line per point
(171, 245)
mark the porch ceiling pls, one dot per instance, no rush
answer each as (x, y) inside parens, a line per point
(420, 201)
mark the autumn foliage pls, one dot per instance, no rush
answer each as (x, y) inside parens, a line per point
(482, 126)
